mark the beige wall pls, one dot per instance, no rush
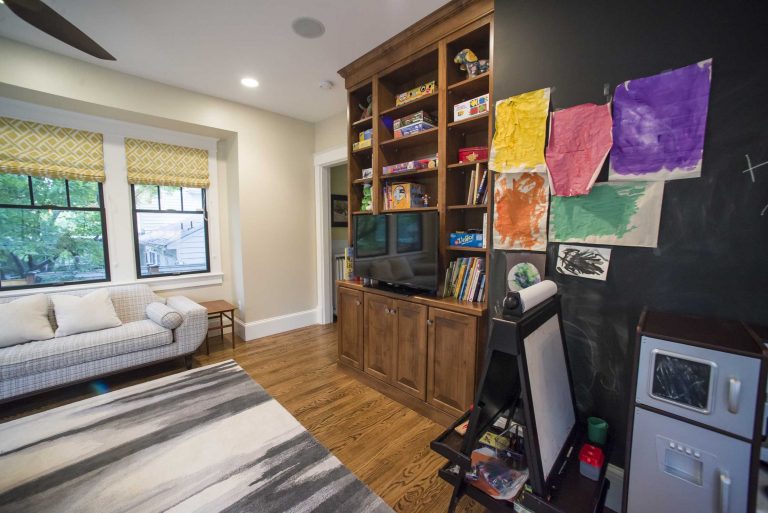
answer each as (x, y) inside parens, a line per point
(266, 195)
(331, 132)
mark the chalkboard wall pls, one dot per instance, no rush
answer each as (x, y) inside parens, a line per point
(713, 242)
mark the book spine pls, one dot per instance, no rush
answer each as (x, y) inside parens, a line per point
(480, 198)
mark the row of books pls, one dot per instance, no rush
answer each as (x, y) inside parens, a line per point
(465, 279)
(477, 192)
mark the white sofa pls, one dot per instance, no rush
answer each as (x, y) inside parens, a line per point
(40, 365)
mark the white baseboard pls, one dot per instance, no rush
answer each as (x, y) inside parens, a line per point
(274, 325)
(615, 475)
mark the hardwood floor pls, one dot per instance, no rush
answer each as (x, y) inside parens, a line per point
(382, 442)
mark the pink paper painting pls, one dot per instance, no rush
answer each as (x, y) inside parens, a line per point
(579, 141)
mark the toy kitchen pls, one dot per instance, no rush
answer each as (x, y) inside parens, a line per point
(697, 422)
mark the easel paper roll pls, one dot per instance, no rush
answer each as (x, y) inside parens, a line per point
(536, 294)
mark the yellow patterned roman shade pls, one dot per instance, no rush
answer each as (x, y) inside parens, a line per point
(153, 163)
(28, 148)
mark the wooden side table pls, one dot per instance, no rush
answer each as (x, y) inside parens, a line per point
(220, 309)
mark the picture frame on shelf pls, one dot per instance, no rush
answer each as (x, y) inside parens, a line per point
(339, 210)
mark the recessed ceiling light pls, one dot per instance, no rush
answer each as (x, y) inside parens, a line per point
(308, 27)
(249, 82)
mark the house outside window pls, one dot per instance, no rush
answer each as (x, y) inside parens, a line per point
(171, 230)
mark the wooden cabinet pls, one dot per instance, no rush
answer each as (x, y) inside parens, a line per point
(451, 363)
(419, 353)
(380, 334)
(410, 371)
(350, 315)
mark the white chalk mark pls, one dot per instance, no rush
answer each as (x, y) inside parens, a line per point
(751, 169)
(764, 210)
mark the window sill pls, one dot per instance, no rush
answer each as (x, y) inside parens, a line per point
(156, 284)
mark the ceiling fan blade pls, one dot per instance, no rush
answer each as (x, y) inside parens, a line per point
(39, 15)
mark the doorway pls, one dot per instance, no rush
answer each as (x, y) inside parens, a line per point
(327, 246)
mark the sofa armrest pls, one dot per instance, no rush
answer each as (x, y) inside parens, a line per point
(192, 331)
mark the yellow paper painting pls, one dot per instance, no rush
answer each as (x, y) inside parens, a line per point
(521, 131)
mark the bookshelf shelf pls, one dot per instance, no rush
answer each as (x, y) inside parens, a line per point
(478, 122)
(362, 180)
(420, 209)
(363, 151)
(471, 87)
(361, 212)
(467, 207)
(427, 136)
(420, 172)
(360, 123)
(427, 102)
(467, 164)
(466, 249)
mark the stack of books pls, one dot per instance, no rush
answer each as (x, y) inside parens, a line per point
(465, 279)
(477, 191)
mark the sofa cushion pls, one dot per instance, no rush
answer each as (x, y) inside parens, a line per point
(164, 315)
(81, 314)
(24, 319)
(45, 355)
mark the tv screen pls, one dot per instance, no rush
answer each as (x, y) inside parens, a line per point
(399, 249)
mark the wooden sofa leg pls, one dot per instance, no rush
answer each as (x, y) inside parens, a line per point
(188, 360)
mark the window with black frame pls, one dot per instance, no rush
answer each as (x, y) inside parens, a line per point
(52, 232)
(170, 230)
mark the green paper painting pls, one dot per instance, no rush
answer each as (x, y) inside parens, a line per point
(613, 213)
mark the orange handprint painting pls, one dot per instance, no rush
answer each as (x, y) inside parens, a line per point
(520, 217)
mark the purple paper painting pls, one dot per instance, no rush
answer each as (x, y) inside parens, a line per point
(659, 123)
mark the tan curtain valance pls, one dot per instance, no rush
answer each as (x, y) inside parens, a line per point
(28, 148)
(153, 163)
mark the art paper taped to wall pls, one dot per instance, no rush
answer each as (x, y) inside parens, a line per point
(659, 124)
(583, 261)
(520, 216)
(613, 213)
(579, 140)
(524, 269)
(521, 132)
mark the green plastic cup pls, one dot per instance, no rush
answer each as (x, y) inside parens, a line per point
(597, 430)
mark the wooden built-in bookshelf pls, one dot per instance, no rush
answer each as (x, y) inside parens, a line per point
(446, 185)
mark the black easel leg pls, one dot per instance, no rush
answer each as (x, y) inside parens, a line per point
(458, 491)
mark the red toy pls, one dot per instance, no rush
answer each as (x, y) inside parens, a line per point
(592, 459)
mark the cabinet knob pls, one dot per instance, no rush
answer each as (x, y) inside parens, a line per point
(430, 322)
(393, 311)
(357, 302)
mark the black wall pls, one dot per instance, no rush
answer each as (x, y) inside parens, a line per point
(713, 242)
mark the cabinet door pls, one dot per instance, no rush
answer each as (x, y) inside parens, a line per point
(410, 372)
(350, 331)
(451, 360)
(380, 324)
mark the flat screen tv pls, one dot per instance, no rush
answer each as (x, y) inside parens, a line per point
(398, 249)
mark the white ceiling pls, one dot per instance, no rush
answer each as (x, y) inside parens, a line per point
(208, 46)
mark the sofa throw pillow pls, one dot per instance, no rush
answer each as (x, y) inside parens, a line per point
(164, 315)
(24, 320)
(92, 312)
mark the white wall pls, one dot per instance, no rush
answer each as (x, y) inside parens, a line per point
(265, 159)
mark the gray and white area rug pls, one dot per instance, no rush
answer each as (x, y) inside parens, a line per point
(205, 440)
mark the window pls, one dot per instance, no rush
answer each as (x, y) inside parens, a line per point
(170, 230)
(52, 232)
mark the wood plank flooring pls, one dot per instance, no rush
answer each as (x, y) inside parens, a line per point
(382, 442)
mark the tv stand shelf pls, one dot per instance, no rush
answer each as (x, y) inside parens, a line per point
(420, 350)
